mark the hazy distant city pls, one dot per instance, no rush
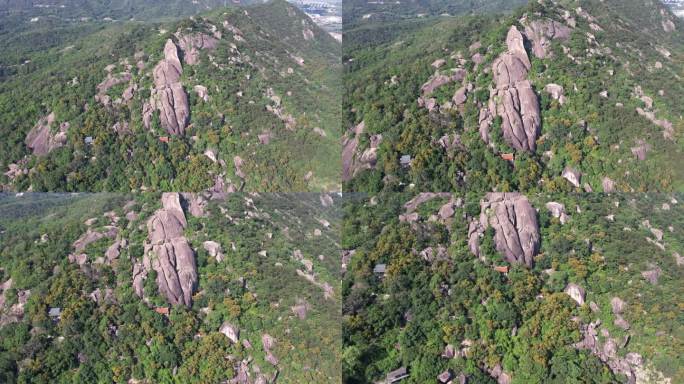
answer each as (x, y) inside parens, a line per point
(326, 13)
(677, 6)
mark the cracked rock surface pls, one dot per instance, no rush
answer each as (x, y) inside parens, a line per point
(515, 225)
(168, 96)
(169, 254)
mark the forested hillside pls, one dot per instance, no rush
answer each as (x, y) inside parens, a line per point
(240, 98)
(559, 96)
(115, 288)
(511, 288)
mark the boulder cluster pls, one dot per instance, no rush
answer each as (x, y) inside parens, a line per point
(607, 348)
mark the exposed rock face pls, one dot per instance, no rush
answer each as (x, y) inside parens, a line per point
(498, 374)
(191, 45)
(621, 323)
(438, 63)
(353, 160)
(326, 200)
(214, 250)
(460, 96)
(265, 138)
(168, 96)
(201, 92)
(195, 203)
(556, 91)
(652, 275)
(231, 332)
(411, 205)
(679, 259)
(15, 170)
(113, 251)
(328, 290)
(658, 233)
(573, 176)
(512, 66)
(300, 309)
(476, 230)
(513, 99)
(14, 313)
(268, 343)
(519, 109)
(668, 26)
(102, 296)
(92, 236)
(575, 292)
(171, 256)
(608, 185)
(278, 110)
(431, 255)
(41, 140)
(515, 224)
(558, 211)
(641, 149)
(448, 210)
(444, 377)
(111, 81)
(541, 32)
(667, 126)
(438, 80)
(239, 163)
(617, 305)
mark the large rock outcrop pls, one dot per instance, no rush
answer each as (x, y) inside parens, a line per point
(111, 81)
(169, 254)
(168, 96)
(515, 226)
(513, 99)
(41, 140)
(575, 292)
(542, 32)
(354, 160)
(192, 44)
